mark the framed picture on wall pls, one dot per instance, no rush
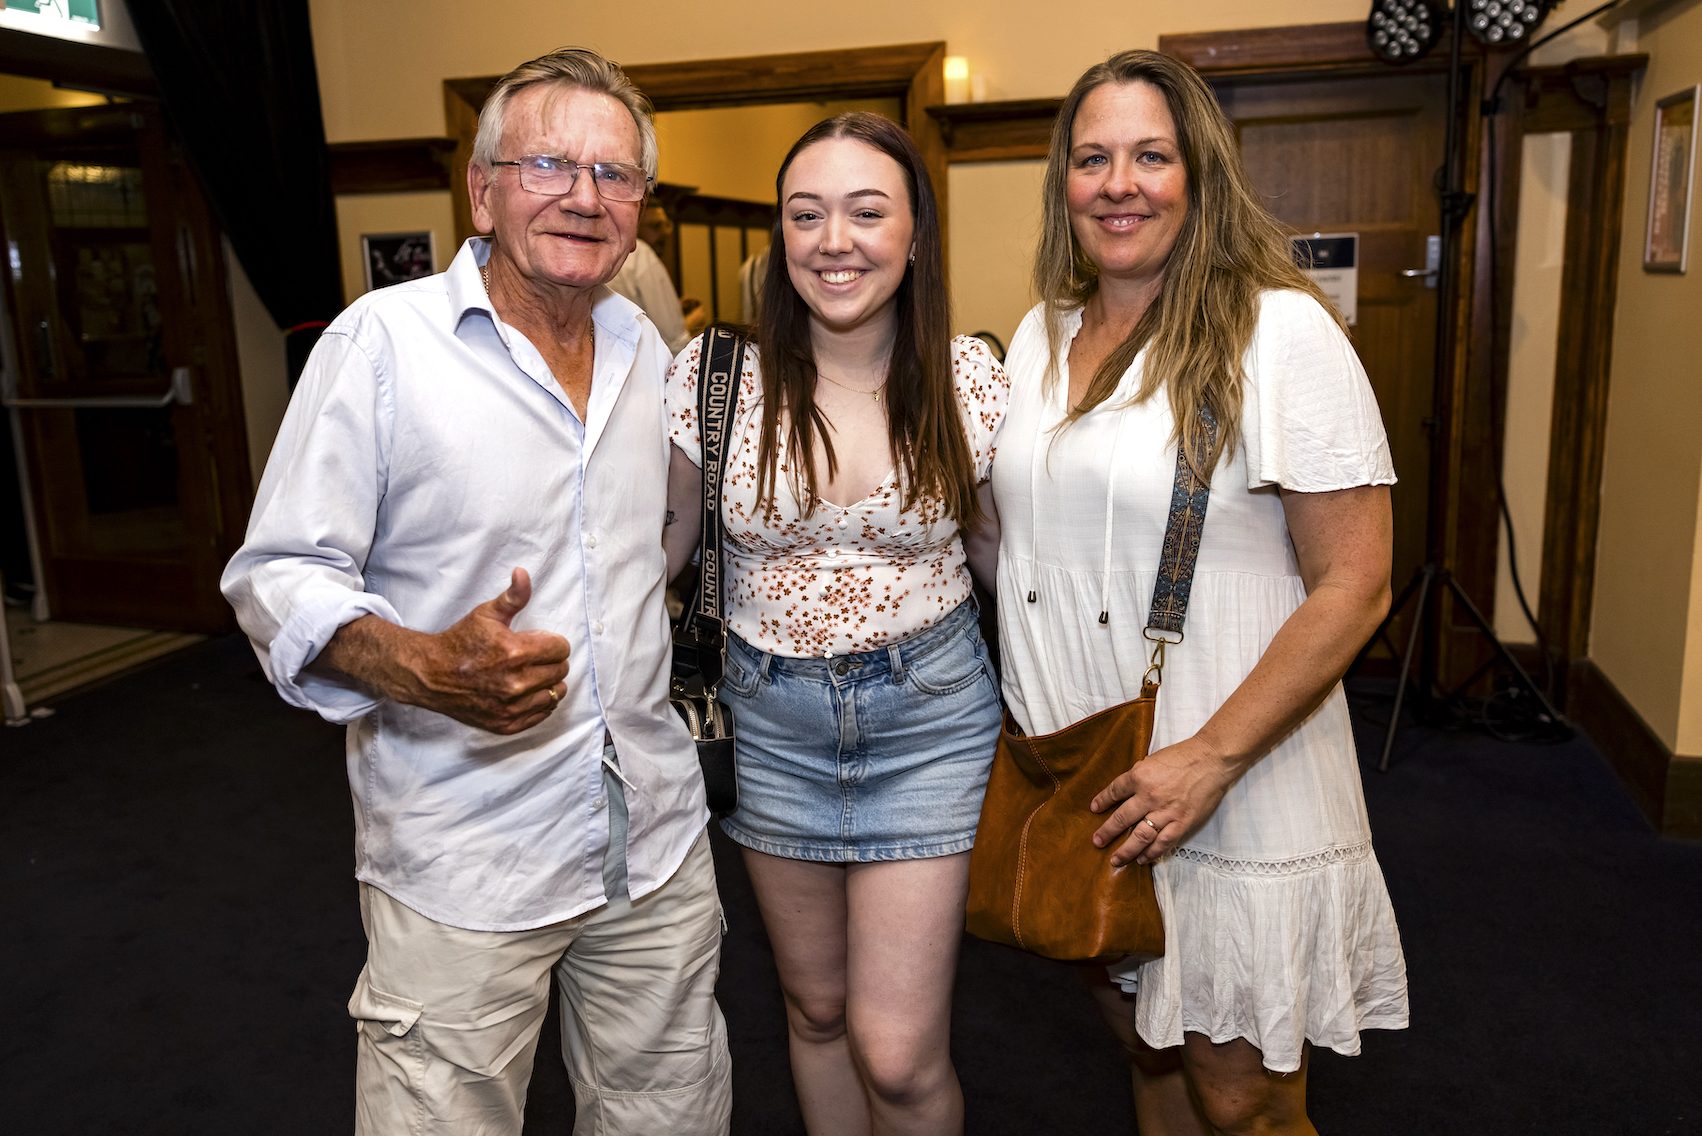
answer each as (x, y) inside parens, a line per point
(1672, 176)
(390, 258)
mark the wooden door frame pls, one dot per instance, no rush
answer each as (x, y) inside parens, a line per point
(1590, 100)
(912, 72)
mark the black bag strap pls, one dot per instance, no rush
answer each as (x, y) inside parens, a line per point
(719, 372)
(1188, 499)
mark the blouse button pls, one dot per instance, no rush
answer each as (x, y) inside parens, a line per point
(833, 553)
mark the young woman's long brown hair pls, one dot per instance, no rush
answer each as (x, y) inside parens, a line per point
(924, 420)
(1229, 250)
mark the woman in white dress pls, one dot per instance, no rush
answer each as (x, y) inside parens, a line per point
(1165, 287)
(866, 706)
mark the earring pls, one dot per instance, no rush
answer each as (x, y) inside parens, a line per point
(912, 256)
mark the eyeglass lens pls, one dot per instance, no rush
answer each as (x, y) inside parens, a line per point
(616, 181)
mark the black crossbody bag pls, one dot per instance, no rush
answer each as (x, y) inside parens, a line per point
(700, 639)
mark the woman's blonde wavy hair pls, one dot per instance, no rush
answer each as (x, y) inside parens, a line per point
(1228, 250)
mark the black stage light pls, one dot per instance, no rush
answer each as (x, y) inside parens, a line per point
(1400, 31)
(1504, 21)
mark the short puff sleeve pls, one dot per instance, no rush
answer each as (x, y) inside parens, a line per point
(1310, 421)
(983, 392)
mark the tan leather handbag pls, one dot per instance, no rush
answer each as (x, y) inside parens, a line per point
(1036, 881)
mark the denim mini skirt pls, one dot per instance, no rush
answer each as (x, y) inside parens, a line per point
(880, 755)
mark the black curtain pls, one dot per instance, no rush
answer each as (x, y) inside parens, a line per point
(240, 87)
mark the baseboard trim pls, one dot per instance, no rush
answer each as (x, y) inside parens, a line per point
(1666, 786)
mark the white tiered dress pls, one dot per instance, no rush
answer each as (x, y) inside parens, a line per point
(1278, 927)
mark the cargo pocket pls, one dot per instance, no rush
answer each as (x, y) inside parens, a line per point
(379, 1013)
(390, 1058)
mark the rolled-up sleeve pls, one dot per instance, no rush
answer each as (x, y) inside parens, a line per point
(299, 575)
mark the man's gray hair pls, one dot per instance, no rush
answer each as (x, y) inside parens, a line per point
(568, 67)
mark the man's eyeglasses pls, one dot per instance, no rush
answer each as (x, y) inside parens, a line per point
(615, 181)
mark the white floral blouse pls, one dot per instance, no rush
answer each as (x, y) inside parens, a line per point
(852, 577)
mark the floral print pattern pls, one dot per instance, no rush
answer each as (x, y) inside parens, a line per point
(851, 577)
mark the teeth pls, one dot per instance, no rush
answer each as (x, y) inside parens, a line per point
(841, 276)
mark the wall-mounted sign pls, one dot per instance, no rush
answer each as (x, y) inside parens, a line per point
(82, 12)
(1332, 261)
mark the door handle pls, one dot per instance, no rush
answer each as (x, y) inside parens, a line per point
(1432, 263)
(181, 391)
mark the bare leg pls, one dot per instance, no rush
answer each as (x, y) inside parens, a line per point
(1239, 1096)
(905, 926)
(1163, 1105)
(804, 909)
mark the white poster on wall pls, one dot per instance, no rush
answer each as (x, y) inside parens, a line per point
(1332, 261)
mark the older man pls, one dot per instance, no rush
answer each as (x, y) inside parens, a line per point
(456, 550)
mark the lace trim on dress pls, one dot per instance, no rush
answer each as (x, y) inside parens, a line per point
(1351, 854)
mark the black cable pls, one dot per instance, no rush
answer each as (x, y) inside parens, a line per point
(1490, 104)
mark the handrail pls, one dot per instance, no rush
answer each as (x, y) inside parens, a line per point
(181, 391)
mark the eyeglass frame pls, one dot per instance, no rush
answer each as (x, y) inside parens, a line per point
(566, 164)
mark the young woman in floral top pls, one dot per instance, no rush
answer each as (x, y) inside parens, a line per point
(867, 711)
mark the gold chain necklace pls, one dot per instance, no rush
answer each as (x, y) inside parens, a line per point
(485, 275)
(874, 394)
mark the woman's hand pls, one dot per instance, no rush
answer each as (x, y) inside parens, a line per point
(1342, 541)
(1164, 799)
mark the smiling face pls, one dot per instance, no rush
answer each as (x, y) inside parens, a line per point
(575, 241)
(1126, 186)
(848, 222)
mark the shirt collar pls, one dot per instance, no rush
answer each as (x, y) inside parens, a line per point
(613, 313)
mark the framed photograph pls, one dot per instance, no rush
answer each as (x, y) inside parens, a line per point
(1672, 176)
(391, 258)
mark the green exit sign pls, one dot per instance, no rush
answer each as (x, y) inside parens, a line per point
(83, 12)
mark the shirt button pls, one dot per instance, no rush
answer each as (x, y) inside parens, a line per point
(597, 805)
(833, 553)
(591, 541)
(597, 627)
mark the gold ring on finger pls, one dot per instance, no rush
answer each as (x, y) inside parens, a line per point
(1148, 822)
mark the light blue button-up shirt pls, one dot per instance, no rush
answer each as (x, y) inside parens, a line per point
(426, 453)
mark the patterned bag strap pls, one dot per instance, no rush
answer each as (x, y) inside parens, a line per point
(720, 367)
(1188, 499)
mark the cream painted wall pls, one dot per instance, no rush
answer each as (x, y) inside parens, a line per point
(1648, 601)
(265, 370)
(1530, 372)
(382, 62)
(994, 226)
